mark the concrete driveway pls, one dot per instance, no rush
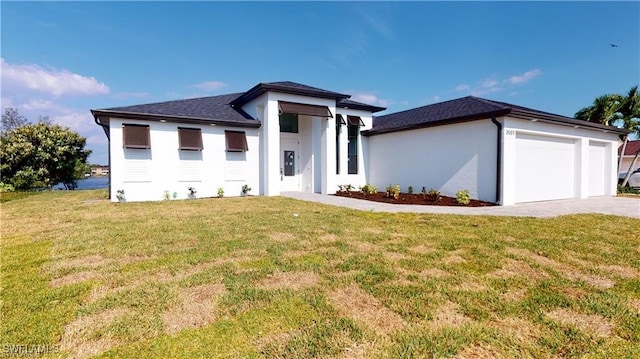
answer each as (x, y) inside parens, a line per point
(619, 206)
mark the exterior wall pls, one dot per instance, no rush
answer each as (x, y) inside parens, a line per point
(581, 138)
(145, 175)
(344, 177)
(446, 158)
(317, 143)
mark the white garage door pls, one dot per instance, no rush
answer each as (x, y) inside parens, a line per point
(597, 168)
(545, 168)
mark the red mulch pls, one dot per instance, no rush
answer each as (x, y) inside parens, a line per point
(414, 198)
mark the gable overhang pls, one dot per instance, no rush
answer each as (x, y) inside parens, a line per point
(100, 116)
(263, 88)
(520, 114)
(444, 122)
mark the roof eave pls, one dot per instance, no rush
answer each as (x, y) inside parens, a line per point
(449, 121)
(370, 108)
(262, 88)
(178, 119)
(566, 121)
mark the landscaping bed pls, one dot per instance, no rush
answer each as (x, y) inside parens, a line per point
(413, 198)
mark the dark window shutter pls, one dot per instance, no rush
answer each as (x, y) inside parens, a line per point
(355, 121)
(236, 141)
(136, 136)
(190, 138)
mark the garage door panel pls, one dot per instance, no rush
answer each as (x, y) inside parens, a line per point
(597, 168)
(545, 168)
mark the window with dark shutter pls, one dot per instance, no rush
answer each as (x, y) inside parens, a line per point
(136, 136)
(236, 141)
(190, 139)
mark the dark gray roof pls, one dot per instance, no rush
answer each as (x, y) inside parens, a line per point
(468, 108)
(213, 109)
(288, 87)
(346, 103)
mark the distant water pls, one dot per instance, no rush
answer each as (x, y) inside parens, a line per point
(90, 183)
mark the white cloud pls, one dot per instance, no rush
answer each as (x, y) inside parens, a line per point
(210, 85)
(489, 83)
(370, 98)
(493, 84)
(518, 79)
(48, 81)
(435, 99)
(378, 24)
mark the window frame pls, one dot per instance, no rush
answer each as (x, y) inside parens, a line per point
(128, 132)
(243, 147)
(193, 132)
(353, 156)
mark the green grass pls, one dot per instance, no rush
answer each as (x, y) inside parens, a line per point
(243, 277)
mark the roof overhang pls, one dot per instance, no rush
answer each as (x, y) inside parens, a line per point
(100, 114)
(537, 117)
(262, 88)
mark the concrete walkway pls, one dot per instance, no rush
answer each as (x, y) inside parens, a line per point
(619, 206)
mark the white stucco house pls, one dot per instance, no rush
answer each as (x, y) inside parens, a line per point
(285, 136)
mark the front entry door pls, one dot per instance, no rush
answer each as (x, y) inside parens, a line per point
(289, 166)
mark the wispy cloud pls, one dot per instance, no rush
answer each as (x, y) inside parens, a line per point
(53, 82)
(378, 24)
(209, 85)
(495, 84)
(370, 98)
(518, 79)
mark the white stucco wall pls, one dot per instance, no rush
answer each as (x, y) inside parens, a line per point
(316, 141)
(446, 158)
(344, 177)
(581, 139)
(145, 175)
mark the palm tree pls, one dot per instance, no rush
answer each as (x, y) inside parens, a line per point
(605, 110)
(630, 112)
(615, 109)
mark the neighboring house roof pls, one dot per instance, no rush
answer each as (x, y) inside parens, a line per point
(213, 109)
(469, 108)
(632, 148)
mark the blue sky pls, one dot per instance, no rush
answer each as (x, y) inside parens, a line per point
(61, 59)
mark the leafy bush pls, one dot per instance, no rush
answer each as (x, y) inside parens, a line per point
(191, 192)
(6, 187)
(166, 196)
(120, 195)
(245, 189)
(393, 191)
(627, 189)
(410, 190)
(433, 195)
(220, 192)
(463, 197)
(369, 189)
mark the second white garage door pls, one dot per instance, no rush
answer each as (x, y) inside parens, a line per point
(545, 168)
(597, 168)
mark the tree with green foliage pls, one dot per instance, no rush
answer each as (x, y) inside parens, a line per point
(11, 119)
(616, 109)
(42, 155)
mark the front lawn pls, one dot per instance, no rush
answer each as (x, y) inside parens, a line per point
(276, 277)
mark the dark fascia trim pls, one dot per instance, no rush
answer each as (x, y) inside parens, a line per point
(449, 121)
(531, 116)
(364, 107)
(178, 119)
(566, 121)
(261, 88)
